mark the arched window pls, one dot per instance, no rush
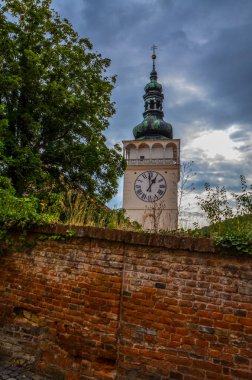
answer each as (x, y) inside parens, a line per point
(143, 152)
(171, 151)
(131, 152)
(157, 151)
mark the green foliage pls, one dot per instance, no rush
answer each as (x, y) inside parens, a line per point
(72, 208)
(26, 211)
(23, 212)
(232, 241)
(236, 234)
(70, 232)
(54, 105)
(244, 198)
(80, 209)
(215, 204)
(55, 237)
(231, 227)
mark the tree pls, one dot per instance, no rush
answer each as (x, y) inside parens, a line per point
(152, 215)
(244, 198)
(56, 101)
(218, 207)
(185, 184)
(186, 187)
(230, 216)
(215, 204)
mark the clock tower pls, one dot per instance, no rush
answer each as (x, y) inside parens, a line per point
(153, 165)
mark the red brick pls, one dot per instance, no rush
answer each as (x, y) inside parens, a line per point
(204, 313)
(212, 376)
(216, 315)
(241, 375)
(245, 321)
(188, 340)
(221, 324)
(207, 366)
(236, 327)
(184, 303)
(152, 354)
(197, 373)
(206, 322)
(173, 309)
(214, 353)
(202, 343)
(170, 301)
(230, 318)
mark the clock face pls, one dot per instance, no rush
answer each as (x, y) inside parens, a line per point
(150, 186)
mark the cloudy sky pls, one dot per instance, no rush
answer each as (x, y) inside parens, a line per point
(204, 62)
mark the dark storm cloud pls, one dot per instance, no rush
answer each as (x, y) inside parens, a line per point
(225, 69)
(205, 46)
(205, 41)
(220, 173)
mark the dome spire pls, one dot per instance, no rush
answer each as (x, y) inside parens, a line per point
(153, 126)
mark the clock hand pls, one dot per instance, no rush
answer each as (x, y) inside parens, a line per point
(149, 188)
(152, 181)
(149, 181)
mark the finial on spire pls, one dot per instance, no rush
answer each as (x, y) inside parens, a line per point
(154, 48)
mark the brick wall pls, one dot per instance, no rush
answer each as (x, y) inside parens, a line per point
(120, 305)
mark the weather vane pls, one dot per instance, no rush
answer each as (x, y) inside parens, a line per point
(154, 48)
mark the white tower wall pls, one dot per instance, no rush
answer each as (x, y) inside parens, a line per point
(155, 156)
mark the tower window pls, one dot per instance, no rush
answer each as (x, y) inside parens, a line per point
(141, 158)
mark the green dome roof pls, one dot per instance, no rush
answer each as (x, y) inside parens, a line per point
(153, 126)
(153, 85)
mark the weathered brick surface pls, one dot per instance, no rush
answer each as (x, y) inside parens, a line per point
(109, 304)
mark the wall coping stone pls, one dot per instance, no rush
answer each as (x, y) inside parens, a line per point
(195, 244)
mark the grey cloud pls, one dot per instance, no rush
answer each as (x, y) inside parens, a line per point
(225, 68)
(207, 43)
